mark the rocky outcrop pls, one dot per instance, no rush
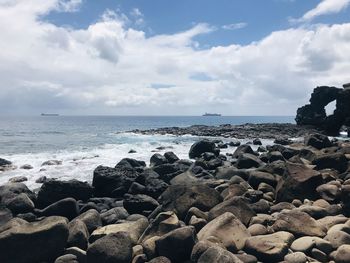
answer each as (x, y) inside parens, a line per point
(315, 113)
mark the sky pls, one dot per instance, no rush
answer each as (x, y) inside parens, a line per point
(160, 57)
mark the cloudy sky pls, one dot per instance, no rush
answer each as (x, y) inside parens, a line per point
(162, 57)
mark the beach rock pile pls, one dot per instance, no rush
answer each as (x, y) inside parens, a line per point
(289, 203)
(315, 113)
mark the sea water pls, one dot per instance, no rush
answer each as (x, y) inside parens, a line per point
(82, 143)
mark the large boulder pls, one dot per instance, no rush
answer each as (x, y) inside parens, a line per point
(53, 191)
(133, 228)
(337, 161)
(78, 234)
(299, 223)
(67, 207)
(247, 160)
(228, 229)
(198, 148)
(180, 198)
(113, 182)
(269, 248)
(318, 141)
(11, 190)
(34, 242)
(238, 206)
(298, 182)
(177, 245)
(113, 248)
(139, 204)
(216, 254)
(91, 218)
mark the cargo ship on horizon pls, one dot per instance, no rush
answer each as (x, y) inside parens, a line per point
(211, 114)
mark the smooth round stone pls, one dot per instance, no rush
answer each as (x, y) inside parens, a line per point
(342, 254)
(319, 255)
(297, 257)
(321, 203)
(305, 244)
(257, 229)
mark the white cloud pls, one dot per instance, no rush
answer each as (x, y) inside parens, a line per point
(325, 7)
(235, 26)
(111, 68)
(68, 5)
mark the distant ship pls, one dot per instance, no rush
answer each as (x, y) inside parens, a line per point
(49, 114)
(211, 114)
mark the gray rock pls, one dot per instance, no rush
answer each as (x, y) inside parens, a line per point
(92, 219)
(217, 254)
(78, 234)
(113, 248)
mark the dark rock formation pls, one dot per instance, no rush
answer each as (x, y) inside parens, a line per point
(315, 114)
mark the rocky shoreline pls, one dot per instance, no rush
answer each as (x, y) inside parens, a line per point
(243, 131)
(287, 202)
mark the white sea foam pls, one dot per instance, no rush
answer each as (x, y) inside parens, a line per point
(80, 164)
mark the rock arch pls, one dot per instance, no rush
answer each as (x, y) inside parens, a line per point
(315, 113)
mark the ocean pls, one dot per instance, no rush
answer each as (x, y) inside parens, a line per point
(82, 143)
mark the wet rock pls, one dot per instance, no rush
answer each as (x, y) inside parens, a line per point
(158, 159)
(34, 242)
(113, 182)
(200, 147)
(131, 163)
(269, 248)
(116, 248)
(11, 190)
(242, 149)
(177, 244)
(180, 198)
(53, 191)
(228, 229)
(171, 157)
(319, 141)
(4, 162)
(51, 162)
(18, 179)
(247, 160)
(257, 142)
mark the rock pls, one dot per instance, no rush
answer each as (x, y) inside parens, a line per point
(297, 257)
(306, 244)
(158, 159)
(92, 219)
(257, 177)
(298, 182)
(162, 224)
(241, 150)
(200, 147)
(160, 260)
(78, 234)
(247, 160)
(51, 162)
(237, 206)
(34, 242)
(68, 258)
(180, 198)
(53, 191)
(337, 237)
(234, 143)
(177, 244)
(113, 182)
(18, 179)
(79, 253)
(113, 248)
(138, 204)
(11, 190)
(269, 248)
(41, 180)
(342, 254)
(257, 142)
(298, 223)
(319, 141)
(228, 229)
(336, 161)
(134, 230)
(66, 207)
(171, 157)
(5, 216)
(197, 223)
(329, 191)
(4, 162)
(132, 151)
(216, 254)
(20, 204)
(131, 163)
(113, 215)
(257, 229)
